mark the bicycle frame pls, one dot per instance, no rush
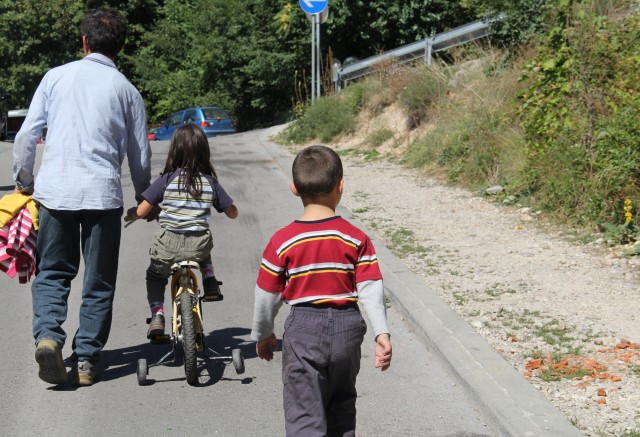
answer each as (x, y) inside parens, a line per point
(184, 280)
(188, 334)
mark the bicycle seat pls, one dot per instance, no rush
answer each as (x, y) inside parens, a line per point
(185, 264)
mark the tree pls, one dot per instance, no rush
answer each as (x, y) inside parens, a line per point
(35, 36)
(218, 52)
(363, 28)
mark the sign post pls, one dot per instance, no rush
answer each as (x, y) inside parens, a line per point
(315, 10)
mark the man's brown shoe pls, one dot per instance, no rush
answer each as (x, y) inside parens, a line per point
(49, 358)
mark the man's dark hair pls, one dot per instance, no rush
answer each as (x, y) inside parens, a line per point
(316, 171)
(106, 31)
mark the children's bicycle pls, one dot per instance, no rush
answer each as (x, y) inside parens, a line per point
(187, 333)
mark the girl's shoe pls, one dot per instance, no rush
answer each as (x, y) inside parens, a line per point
(156, 326)
(211, 288)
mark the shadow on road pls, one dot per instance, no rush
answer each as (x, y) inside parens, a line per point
(123, 362)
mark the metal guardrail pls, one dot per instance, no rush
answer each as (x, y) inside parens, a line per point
(420, 49)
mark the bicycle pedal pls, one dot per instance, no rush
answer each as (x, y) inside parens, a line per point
(213, 298)
(160, 339)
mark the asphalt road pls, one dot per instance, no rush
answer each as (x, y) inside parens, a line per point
(418, 396)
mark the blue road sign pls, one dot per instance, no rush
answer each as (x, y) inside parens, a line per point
(313, 6)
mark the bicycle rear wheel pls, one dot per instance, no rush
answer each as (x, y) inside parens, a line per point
(188, 334)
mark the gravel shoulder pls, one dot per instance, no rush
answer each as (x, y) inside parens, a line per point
(564, 314)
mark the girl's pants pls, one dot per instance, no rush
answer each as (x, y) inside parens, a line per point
(171, 247)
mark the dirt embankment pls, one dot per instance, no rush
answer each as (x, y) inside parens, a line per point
(563, 313)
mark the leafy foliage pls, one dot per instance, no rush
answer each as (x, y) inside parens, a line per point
(26, 52)
(36, 36)
(242, 54)
(580, 116)
(325, 119)
(515, 22)
(425, 87)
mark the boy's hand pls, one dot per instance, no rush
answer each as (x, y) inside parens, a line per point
(266, 346)
(383, 352)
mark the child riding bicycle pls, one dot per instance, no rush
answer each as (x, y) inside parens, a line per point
(185, 191)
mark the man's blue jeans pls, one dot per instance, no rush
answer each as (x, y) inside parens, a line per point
(62, 237)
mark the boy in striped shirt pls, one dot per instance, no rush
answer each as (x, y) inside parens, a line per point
(322, 266)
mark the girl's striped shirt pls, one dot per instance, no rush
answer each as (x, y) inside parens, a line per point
(181, 212)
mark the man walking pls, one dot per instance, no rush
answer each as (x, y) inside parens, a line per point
(94, 118)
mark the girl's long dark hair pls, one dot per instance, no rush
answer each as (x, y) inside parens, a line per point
(189, 151)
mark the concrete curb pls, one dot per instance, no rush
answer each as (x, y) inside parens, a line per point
(517, 408)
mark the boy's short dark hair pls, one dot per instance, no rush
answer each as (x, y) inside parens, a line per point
(106, 31)
(316, 171)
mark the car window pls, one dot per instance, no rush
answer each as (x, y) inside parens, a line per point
(214, 113)
(190, 116)
(174, 119)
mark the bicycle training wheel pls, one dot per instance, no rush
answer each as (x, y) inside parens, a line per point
(143, 371)
(238, 361)
(188, 338)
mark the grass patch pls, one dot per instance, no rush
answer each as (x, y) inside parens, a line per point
(360, 210)
(324, 120)
(378, 137)
(498, 289)
(359, 194)
(460, 298)
(554, 333)
(425, 87)
(387, 301)
(474, 138)
(517, 321)
(403, 242)
(366, 154)
(551, 374)
(562, 365)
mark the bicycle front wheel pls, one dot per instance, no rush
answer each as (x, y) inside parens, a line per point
(188, 337)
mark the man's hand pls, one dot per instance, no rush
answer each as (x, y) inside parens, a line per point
(131, 214)
(383, 352)
(266, 346)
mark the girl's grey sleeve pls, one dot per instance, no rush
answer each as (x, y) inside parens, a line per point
(265, 309)
(371, 296)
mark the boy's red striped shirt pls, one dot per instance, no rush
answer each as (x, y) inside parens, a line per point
(318, 262)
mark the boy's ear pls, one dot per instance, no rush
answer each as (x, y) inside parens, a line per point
(340, 186)
(294, 190)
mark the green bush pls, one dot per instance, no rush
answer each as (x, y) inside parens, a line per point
(324, 120)
(425, 87)
(474, 137)
(355, 95)
(378, 137)
(477, 146)
(580, 118)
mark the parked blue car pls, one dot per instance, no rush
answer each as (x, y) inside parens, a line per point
(214, 120)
